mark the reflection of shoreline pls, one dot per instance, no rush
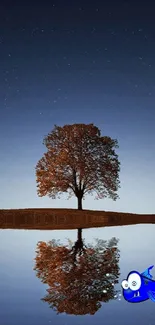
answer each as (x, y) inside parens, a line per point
(67, 219)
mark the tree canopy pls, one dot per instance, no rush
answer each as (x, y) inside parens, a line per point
(78, 161)
(78, 286)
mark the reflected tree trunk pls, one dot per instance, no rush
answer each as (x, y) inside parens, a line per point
(78, 247)
(79, 235)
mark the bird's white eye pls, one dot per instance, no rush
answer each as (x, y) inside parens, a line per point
(134, 281)
(125, 285)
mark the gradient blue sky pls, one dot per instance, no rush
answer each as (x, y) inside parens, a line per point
(70, 62)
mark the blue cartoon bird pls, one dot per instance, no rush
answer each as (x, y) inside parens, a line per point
(139, 287)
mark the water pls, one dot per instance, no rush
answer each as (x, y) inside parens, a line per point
(21, 290)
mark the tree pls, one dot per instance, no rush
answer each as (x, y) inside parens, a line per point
(78, 286)
(78, 161)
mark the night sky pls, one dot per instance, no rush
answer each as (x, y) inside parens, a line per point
(68, 62)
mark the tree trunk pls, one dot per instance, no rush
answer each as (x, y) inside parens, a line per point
(79, 203)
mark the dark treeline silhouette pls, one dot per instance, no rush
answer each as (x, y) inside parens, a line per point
(80, 277)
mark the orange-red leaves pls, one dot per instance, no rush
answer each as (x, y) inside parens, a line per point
(78, 158)
(78, 287)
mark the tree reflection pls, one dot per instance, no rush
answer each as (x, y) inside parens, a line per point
(79, 277)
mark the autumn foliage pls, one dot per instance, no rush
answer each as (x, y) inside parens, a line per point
(78, 161)
(78, 286)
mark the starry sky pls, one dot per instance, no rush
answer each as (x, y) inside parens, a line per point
(66, 62)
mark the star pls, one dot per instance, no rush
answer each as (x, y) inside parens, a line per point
(34, 30)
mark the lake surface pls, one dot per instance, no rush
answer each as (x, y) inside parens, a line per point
(21, 290)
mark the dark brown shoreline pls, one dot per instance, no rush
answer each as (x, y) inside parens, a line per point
(52, 219)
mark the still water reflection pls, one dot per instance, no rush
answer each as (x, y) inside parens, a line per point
(79, 278)
(78, 273)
